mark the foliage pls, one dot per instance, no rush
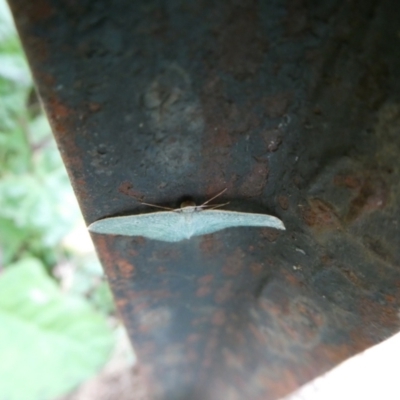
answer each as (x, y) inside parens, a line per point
(36, 317)
(33, 183)
(50, 338)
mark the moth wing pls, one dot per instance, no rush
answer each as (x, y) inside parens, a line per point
(209, 221)
(167, 226)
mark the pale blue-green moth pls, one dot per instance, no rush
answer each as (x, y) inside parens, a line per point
(175, 225)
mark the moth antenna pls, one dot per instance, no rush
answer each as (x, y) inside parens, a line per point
(212, 198)
(155, 206)
(212, 206)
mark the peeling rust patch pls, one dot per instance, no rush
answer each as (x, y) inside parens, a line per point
(127, 189)
(241, 47)
(255, 182)
(320, 215)
(272, 138)
(277, 105)
(283, 202)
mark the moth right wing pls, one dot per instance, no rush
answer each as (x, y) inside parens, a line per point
(205, 222)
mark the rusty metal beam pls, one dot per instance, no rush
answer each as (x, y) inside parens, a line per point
(293, 106)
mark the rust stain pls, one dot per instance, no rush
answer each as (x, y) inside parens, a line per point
(270, 234)
(127, 189)
(293, 279)
(125, 268)
(206, 279)
(255, 182)
(319, 214)
(296, 22)
(332, 354)
(241, 47)
(94, 107)
(378, 247)
(121, 303)
(37, 11)
(203, 291)
(372, 195)
(140, 306)
(151, 294)
(380, 314)
(224, 293)
(154, 319)
(277, 106)
(272, 139)
(304, 321)
(218, 318)
(351, 276)
(45, 79)
(106, 256)
(272, 379)
(256, 268)
(209, 351)
(209, 246)
(259, 334)
(283, 201)
(370, 188)
(350, 181)
(193, 338)
(234, 263)
(57, 110)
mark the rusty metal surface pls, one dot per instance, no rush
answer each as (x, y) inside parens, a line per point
(294, 107)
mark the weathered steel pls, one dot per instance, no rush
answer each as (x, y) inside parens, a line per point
(293, 107)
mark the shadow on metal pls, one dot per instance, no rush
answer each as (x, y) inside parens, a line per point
(294, 109)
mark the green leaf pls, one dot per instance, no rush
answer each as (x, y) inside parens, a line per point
(49, 342)
(13, 68)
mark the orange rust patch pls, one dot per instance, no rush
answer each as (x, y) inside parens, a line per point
(106, 257)
(320, 214)
(277, 105)
(125, 268)
(127, 189)
(372, 195)
(350, 181)
(218, 318)
(221, 138)
(203, 291)
(270, 234)
(133, 252)
(241, 27)
(193, 338)
(210, 246)
(296, 21)
(260, 336)
(121, 303)
(94, 107)
(39, 10)
(256, 268)
(255, 181)
(224, 293)
(234, 263)
(283, 201)
(206, 279)
(292, 278)
(351, 276)
(209, 351)
(45, 79)
(304, 321)
(272, 139)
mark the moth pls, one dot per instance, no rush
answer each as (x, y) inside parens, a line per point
(175, 225)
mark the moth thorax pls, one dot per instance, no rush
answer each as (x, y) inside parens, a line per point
(188, 203)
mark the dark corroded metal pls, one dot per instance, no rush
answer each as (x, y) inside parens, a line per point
(294, 107)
